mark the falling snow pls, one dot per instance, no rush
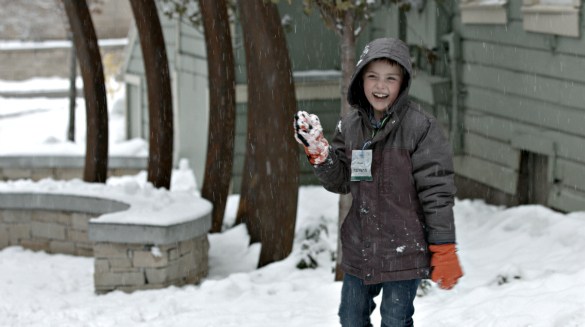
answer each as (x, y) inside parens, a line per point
(523, 265)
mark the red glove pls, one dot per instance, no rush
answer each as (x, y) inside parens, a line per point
(446, 269)
(309, 133)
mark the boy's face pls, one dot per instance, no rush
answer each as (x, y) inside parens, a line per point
(382, 82)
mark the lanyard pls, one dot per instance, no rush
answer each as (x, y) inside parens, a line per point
(375, 131)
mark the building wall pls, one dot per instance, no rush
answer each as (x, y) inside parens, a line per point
(191, 97)
(26, 63)
(523, 97)
(39, 21)
(188, 66)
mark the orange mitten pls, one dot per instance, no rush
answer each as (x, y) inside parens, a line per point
(445, 265)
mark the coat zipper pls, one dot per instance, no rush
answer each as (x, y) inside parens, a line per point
(375, 131)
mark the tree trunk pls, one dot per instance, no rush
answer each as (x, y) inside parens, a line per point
(347, 66)
(347, 57)
(160, 106)
(269, 193)
(222, 107)
(90, 62)
(402, 24)
(72, 91)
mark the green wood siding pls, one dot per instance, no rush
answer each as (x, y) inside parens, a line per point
(569, 146)
(557, 92)
(312, 46)
(523, 91)
(566, 198)
(526, 110)
(512, 57)
(573, 173)
(491, 150)
(488, 173)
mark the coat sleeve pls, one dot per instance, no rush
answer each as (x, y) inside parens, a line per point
(432, 163)
(334, 172)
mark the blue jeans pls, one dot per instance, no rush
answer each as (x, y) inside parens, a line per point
(357, 302)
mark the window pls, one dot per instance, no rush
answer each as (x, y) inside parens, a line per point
(483, 11)
(560, 17)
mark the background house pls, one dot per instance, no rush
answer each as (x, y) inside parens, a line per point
(34, 37)
(521, 96)
(505, 79)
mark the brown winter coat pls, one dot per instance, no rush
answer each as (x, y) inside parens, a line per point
(409, 203)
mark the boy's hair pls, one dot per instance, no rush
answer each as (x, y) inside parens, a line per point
(362, 100)
(392, 63)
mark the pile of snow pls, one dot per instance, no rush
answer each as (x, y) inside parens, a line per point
(522, 267)
(38, 126)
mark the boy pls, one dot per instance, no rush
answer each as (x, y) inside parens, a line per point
(397, 164)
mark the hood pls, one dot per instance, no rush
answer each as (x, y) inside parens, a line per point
(390, 48)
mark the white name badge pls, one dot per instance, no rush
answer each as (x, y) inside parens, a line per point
(361, 165)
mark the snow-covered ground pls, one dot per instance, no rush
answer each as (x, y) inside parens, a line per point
(39, 125)
(523, 266)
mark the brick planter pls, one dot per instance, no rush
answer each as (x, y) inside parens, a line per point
(131, 257)
(129, 267)
(130, 254)
(52, 223)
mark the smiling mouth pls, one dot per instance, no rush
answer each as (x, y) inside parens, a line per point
(380, 95)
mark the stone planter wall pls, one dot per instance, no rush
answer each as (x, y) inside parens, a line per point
(128, 267)
(128, 257)
(53, 223)
(49, 231)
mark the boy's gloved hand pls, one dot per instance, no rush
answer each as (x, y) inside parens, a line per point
(309, 133)
(446, 269)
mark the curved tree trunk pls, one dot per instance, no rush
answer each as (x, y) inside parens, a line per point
(160, 106)
(269, 193)
(222, 107)
(90, 62)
